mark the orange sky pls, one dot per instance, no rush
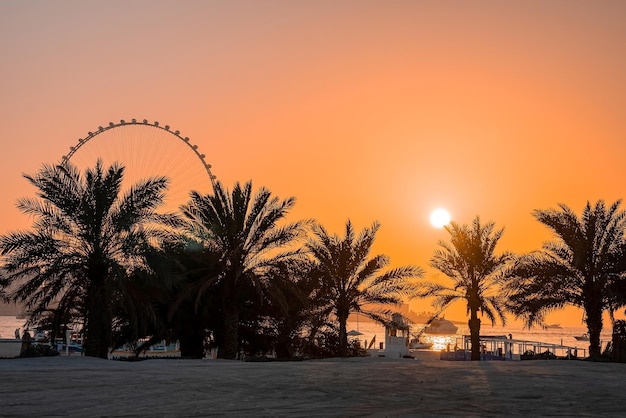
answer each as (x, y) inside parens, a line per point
(368, 110)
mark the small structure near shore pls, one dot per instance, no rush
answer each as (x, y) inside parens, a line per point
(10, 347)
(499, 347)
(164, 349)
(396, 337)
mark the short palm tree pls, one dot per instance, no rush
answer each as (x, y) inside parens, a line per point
(297, 309)
(352, 282)
(242, 230)
(191, 320)
(86, 243)
(583, 267)
(476, 271)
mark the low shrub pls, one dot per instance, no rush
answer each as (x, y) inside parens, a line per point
(39, 350)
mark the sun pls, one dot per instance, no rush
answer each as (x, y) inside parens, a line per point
(440, 218)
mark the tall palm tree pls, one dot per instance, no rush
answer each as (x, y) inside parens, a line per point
(87, 241)
(352, 282)
(476, 272)
(241, 228)
(583, 267)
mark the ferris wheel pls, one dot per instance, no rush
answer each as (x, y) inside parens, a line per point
(146, 149)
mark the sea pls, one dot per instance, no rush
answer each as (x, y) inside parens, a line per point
(372, 330)
(8, 325)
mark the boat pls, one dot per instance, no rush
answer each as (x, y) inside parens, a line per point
(40, 336)
(439, 323)
(441, 326)
(584, 337)
(417, 344)
(552, 326)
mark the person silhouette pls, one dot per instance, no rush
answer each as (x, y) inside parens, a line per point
(26, 342)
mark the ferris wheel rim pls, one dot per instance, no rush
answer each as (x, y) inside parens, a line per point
(112, 125)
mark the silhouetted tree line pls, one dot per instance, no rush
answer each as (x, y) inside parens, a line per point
(228, 272)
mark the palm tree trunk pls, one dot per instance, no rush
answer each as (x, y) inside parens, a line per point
(342, 317)
(474, 323)
(283, 347)
(474, 326)
(192, 340)
(593, 312)
(98, 335)
(229, 348)
(284, 341)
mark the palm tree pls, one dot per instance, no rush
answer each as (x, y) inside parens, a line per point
(476, 272)
(241, 228)
(190, 320)
(583, 267)
(86, 243)
(296, 309)
(351, 281)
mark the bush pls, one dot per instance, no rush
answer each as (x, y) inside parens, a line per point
(39, 350)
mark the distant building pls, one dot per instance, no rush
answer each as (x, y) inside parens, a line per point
(404, 309)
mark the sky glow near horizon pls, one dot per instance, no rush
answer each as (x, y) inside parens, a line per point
(366, 110)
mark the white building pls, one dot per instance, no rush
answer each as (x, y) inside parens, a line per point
(396, 337)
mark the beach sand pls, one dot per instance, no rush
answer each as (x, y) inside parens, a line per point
(374, 386)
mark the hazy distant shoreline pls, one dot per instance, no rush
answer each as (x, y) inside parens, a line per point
(9, 310)
(82, 386)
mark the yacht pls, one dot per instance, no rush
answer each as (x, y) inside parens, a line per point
(417, 344)
(584, 337)
(441, 326)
